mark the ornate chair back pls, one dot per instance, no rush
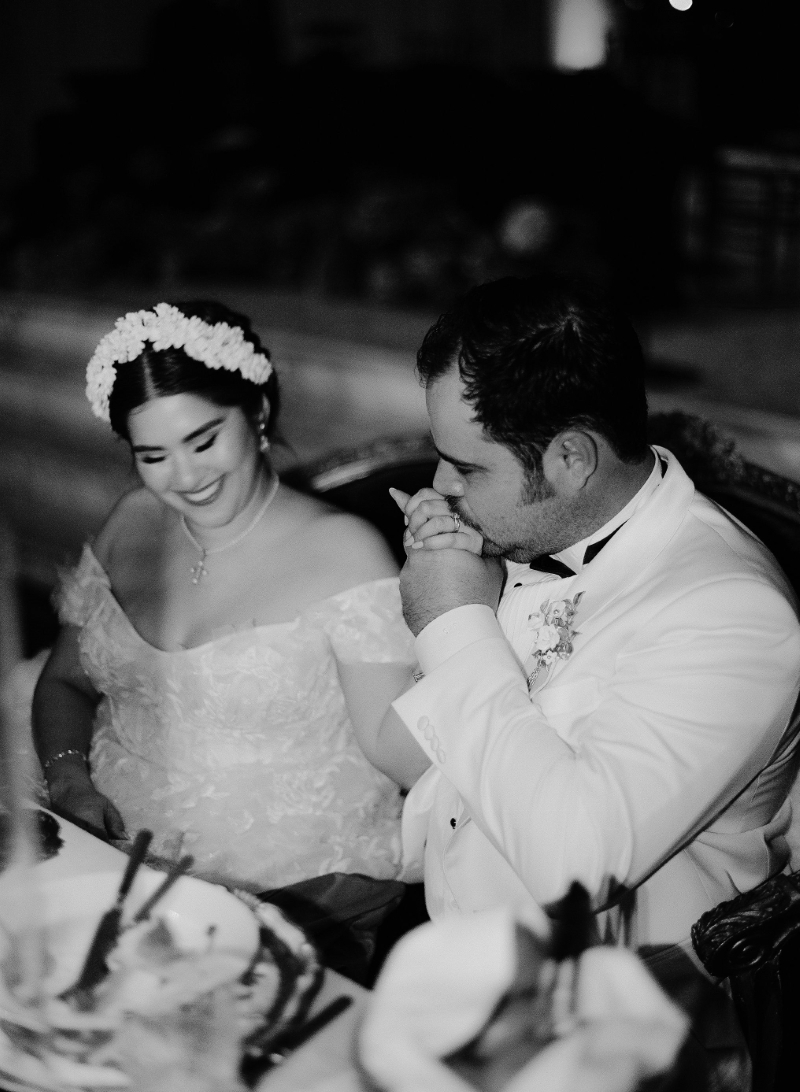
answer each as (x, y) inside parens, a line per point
(358, 480)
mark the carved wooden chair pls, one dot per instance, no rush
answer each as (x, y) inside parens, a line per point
(753, 940)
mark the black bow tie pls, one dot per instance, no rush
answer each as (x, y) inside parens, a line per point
(547, 564)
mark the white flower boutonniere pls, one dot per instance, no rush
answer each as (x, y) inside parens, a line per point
(553, 631)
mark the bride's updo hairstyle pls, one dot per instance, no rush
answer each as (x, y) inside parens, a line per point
(156, 373)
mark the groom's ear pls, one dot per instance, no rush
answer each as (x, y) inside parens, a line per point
(570, 460)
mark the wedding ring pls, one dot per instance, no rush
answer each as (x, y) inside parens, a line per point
(457, 522)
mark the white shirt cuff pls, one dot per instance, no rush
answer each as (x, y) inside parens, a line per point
(450, 632)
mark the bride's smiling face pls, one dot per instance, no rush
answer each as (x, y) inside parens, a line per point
(199, 458)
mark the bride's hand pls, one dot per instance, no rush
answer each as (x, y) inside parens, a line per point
(432, 525)
(73, 795)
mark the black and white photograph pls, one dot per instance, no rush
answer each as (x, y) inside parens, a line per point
(399, 546)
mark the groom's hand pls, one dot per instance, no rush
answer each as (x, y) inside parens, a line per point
(433, 582)
(444, 567)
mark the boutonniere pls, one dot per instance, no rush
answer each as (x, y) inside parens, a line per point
(553, 631)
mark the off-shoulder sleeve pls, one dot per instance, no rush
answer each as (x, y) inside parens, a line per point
(80, 590)
(365, 624)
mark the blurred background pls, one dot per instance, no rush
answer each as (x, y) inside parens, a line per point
(341, 169)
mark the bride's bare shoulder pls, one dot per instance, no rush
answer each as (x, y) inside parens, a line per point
(135, 520)
(344, 549)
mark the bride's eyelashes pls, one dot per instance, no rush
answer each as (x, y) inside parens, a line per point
(206, 444)
(151, 458)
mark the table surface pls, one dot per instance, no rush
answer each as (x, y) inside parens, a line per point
(326, 1062)
(323, 1064)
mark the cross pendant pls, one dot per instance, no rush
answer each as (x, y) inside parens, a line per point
(199, 570)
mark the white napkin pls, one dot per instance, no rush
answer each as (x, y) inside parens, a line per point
(442, 981)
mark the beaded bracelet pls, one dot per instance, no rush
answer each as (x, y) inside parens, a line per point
(63, 754)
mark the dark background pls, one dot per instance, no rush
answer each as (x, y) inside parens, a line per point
(339, 169)
(397, 151)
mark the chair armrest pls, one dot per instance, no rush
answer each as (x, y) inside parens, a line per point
(749, 931)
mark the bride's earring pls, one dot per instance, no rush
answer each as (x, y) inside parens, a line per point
(263, 439)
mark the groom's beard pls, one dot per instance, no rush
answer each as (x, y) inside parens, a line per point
(537, 489)
(489, 548)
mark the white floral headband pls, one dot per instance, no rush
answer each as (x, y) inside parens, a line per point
(217, 346)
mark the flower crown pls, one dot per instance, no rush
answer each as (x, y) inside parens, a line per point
(216, 346)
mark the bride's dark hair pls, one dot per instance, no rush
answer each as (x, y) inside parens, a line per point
(156, 373)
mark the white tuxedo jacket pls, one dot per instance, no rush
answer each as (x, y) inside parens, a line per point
(666, 725)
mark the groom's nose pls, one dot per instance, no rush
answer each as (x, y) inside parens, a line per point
(446, 480)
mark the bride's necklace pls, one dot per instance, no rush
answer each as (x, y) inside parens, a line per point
(199, 570)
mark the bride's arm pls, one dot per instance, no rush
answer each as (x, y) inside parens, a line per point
(369, 690)
(64, 704)
(372, 645)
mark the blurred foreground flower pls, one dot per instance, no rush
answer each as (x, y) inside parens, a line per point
(443, 982)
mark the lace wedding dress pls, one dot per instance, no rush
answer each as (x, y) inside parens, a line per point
(243, 746)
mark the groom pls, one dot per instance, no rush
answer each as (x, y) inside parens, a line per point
(608, 661)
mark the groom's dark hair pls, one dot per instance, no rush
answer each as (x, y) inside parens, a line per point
(540, 355)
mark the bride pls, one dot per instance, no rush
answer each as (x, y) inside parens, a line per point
(225, 636)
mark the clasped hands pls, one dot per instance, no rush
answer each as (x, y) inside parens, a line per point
(444, 566)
